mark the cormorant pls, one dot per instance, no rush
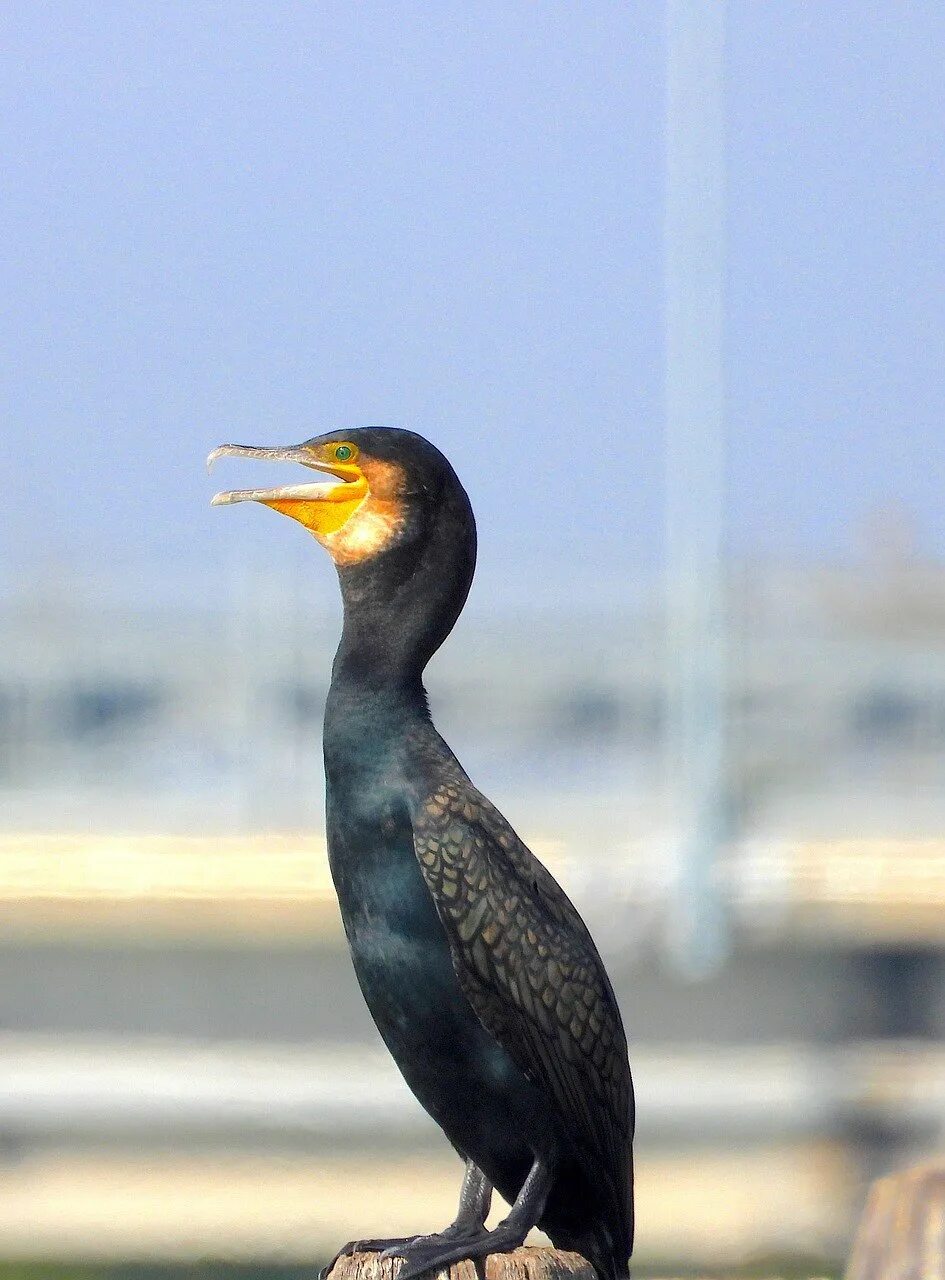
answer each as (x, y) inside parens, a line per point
(480, 974)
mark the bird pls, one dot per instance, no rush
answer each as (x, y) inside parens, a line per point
(480, 974)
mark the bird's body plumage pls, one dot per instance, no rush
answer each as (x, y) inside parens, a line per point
(484, 983)
(479, 972)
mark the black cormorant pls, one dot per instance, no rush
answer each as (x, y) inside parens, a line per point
(480, 974)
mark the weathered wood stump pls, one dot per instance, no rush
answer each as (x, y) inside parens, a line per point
(901, 1235)
(522, 1264)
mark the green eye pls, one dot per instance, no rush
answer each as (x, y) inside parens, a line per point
(343, 452)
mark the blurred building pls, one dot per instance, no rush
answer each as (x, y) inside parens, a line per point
(835, 707)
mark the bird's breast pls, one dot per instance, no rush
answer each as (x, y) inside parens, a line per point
(384, 900)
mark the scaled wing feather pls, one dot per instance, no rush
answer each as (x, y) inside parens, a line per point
(528, 965)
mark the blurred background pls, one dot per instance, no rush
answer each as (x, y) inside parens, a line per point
(665, 283)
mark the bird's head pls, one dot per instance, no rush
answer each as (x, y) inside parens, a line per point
(398, 525)
(386, 485)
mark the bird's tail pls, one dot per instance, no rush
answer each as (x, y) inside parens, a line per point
(597, 1246)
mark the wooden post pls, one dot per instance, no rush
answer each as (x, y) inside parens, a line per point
(522, 1264)
(901, 1235)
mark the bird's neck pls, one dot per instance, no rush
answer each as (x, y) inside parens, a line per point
(370, 681)
(401, 606)
(373, 703)
(377, 692)
(398, 610)
(385, 641)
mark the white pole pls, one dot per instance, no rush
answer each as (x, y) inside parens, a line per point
(695, 433)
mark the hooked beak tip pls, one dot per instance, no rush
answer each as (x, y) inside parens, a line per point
(213, 455)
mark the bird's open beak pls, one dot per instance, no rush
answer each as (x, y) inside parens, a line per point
(322, 508)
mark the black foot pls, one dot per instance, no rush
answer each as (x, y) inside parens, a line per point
(391, 1243)
(430, 1253)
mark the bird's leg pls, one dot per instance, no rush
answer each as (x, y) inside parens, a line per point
(433, 1252)
(475, 1197)
(475, 1200)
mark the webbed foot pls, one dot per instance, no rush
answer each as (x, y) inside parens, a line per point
(389, 1244)
(430, 1253)
(471, 1239)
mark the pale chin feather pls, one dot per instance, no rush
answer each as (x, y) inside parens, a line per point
(363, 535)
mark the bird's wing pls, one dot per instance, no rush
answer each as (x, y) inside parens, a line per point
(529, 968)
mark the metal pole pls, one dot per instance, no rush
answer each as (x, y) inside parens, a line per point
(695, 258)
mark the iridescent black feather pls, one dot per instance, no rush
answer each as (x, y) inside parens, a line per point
(529, 967)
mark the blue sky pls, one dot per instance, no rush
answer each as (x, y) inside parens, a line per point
(254, 222)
